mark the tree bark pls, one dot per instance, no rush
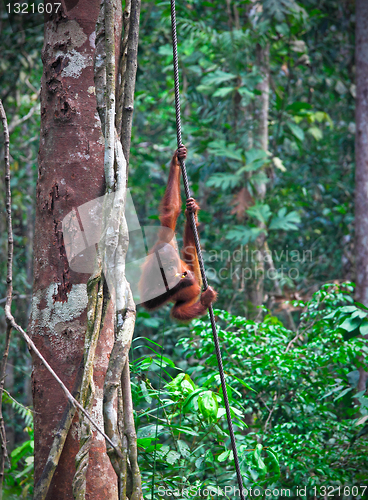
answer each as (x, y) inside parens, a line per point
(71, 172)
(361, 160)
(256, 289)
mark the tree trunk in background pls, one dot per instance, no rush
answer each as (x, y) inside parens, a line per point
(71, 173)
(256, 283)
(263, 59)
(361, 159)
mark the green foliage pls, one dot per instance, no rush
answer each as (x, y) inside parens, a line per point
(285, 221)
(244, 235)
(24, 412)
(256, 158)
(308, 204)
(20, 75)
(261, 212)
(280, 9)
(223, 181)
(291, 402)
(220, 148)
(18, 479)
(297, 401)
(308, 170)
(296, 131)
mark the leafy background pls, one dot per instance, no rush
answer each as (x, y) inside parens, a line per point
(297, 417)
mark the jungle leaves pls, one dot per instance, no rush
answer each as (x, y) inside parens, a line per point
(261, 212)
(352, 320)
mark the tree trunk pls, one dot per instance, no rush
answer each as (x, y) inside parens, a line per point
(361, 159)
(71, 172)
(255, 290)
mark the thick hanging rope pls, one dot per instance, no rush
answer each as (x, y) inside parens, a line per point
(199, 252)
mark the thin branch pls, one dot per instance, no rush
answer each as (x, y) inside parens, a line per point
(118, 359)
(16, 296)
(9, 274)
(271, 266)
(110, 94)
(122, 67)
(87, 391)
(270, 413)
(298, 334)
(130, 433)
(9, 291)
(266, 405)
(130, 75)
(24, 118)
(17, 403)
